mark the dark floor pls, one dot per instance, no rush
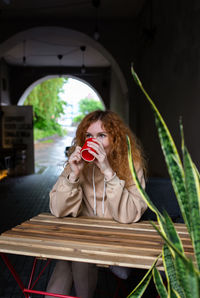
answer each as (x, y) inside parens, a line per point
(24, 197)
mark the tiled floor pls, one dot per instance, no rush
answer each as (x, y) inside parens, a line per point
(24, 197)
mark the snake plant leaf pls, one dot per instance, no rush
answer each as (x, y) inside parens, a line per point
(193, 281)
(192, 181)
(188, 278)
(173, 293)
(135, 76)
(144, 195)
(171, 155)
(171, 275)
(184, 148)
(138, 184)
(197, 172)
(172, 233)
(141, 287)
(178, 272)
(193, 194)
(179, 264)
(169, 243)
(181, 272)
(159, 284)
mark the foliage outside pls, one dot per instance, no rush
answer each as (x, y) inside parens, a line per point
(182, 273)
(87, 105)
(47, 107)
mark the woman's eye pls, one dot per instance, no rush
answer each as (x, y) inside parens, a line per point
(88, 136)
(102, 135)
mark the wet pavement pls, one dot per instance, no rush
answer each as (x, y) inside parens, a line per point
(52, 154)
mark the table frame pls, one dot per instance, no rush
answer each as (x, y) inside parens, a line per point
(30, 289)
(84, 239)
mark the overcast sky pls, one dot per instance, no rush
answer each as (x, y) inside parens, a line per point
(76, 90)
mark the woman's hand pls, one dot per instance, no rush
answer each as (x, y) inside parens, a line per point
(76, 164)
(101, 159)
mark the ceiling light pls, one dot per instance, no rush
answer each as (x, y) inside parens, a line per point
(60, 57)
(83, 68)
(24, 53)
(96, 4)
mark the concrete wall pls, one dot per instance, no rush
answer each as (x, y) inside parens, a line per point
(118, 99)
(169, 66)
(4, 83)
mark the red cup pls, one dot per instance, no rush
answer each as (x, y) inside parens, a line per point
(84, 151)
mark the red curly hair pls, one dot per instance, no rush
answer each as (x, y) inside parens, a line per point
(117, 132)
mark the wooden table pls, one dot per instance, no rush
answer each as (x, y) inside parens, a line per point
(91, 240)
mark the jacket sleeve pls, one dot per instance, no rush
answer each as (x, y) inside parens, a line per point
(65, 197)
(125, 204)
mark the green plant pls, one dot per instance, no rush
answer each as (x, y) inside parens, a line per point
(86, 106)
(183, 275)
(47, 105)
(48, 132)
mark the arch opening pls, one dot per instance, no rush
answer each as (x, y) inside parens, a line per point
(51, 146)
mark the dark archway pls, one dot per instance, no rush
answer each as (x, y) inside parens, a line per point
(104, 74)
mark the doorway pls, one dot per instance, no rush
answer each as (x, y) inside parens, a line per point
(75, 99)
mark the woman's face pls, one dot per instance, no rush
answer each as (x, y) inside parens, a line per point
(96, 130)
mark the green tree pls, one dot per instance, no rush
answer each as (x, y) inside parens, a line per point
(47, 105)
(87, 105)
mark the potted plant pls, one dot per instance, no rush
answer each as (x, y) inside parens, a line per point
(182, 273)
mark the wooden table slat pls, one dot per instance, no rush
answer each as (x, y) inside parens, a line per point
(108, 237)
(107, 223)
(71, 246)
(96, 230)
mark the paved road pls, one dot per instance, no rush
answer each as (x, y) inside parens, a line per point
(47, 154)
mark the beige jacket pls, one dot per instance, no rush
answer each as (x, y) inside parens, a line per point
(92, 195)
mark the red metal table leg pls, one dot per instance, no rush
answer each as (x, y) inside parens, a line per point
(47, 293)
(32, 273)
(31, 286)
(14, 273)
(28, 291)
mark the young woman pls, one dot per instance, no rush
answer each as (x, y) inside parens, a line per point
(102, 188)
